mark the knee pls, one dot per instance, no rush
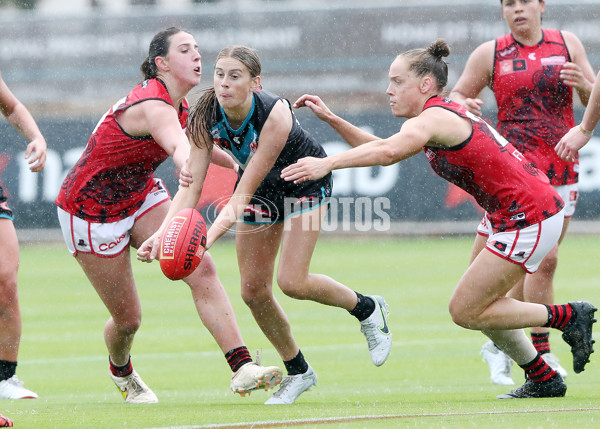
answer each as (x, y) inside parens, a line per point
(256, 293)
(9, 308)
(461, 315)
(8, 285)
(128, 325)
(549, 264)
(291, 285)
(207, 268)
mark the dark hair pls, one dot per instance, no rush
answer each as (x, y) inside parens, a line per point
(159, 47)
(429, 60)
(202, 112)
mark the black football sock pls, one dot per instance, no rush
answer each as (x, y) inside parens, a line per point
(121, 371)
(364, 307)
(236, 358)
(7, 369)
(297, 365)
(541, 342)
(559, 316)
(538, 370)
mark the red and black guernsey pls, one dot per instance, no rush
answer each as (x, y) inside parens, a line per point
(513, 192)
(535, 108)
(114, 174)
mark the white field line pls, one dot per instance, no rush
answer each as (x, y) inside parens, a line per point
(347, 419)
(216, 353)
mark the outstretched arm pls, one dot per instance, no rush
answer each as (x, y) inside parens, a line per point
(353, 135)
(408, 142)
(20, 118)
(578, 136)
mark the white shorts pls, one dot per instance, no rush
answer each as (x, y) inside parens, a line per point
(570, 195)
(106, 239)
(526, 247)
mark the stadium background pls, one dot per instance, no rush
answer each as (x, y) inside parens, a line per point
(69, 61)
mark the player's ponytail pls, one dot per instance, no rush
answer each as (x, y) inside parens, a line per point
(429, 61)
(200, 117)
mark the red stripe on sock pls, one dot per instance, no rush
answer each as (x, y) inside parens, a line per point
(539, 370)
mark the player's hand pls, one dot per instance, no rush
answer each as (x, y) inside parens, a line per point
(305, 169)
(572, 75)
(148, 251)
(570, 144)
(185, 178)
(473, 105)
(314, 103)
(36, 154)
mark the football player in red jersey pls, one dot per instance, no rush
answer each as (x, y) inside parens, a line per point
(110, 201)
(523, 223)
(10, 315)
(532, 72)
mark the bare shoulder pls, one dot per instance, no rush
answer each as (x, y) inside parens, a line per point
(280, 116)
(484, 52)
(574, 45)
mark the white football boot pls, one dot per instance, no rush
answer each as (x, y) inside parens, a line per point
(293, 386)
(499, 363)
(12, 388)
(377, 331)
(252, 376)
(134, 390)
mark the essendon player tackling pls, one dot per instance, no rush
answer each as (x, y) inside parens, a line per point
(524, 213)
(532, 72)
(111, 200)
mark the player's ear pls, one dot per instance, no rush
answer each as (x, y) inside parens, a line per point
(256, 86)
(426, 84)
(162, 63)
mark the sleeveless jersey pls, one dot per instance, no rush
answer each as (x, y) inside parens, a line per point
(506, 184)
(535, 108)
(242, 143)
(114, 174)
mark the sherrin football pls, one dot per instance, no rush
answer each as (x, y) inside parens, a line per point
(182, 244)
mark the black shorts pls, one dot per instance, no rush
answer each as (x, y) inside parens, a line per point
(5, 211)
(275, 200)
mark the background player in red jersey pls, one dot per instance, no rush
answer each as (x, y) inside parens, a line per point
(10, 315)
(524, 223)
(111, 201)
(532, 72)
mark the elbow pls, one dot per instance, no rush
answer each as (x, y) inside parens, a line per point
(389, 156)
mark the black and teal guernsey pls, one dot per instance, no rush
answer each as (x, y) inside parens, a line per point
(243, 142)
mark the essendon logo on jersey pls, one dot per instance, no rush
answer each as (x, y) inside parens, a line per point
(511, 51)
(500, 246)
(512, 66)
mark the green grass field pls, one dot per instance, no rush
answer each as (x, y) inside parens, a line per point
(434, 377)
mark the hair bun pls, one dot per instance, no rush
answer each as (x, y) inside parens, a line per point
(439, 49)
